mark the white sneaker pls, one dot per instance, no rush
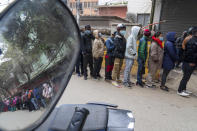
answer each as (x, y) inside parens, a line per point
(115, 83)
(183, 94)
(188, 92)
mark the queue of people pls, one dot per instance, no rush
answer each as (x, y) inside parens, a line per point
(163, 56)
(31, 99)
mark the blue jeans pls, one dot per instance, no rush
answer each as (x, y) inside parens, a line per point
(141, 69)
(34, 102)
(127, 71)
(43, 103)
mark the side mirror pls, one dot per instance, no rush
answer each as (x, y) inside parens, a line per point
(39, 43)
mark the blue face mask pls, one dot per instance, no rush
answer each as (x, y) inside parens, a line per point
(122, 32)
(88, 32)
(161, 38)
(100, 35)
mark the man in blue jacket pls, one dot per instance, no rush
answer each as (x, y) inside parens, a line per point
(109, 58)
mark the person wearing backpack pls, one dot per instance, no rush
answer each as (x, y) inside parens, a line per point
(169, 59)
(189, 63)
(179, 49)
(109, 57)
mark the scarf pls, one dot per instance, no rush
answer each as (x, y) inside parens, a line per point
(158, 41)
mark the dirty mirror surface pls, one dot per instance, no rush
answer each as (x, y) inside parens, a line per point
(38, 40)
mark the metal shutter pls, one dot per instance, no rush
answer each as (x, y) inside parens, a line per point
(180, 15)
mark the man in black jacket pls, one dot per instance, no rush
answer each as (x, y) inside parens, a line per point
(189, 63)
(119, 52)
(86, 46)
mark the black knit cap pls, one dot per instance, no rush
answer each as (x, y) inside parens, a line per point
(87, 27)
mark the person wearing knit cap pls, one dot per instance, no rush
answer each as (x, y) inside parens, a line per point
(142, 56)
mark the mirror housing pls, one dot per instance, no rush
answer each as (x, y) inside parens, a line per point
(40, 43)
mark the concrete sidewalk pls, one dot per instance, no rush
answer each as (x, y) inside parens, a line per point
(154, 109)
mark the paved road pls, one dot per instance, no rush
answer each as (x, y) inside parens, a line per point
(154, 110)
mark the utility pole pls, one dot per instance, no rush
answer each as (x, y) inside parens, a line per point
(78, 10)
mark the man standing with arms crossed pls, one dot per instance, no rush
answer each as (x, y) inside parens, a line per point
(87, 39)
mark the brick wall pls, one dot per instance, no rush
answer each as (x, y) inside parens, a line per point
(113, 11)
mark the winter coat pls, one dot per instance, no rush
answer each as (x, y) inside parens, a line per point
(98, 46)
(190, 54)
(155, 56)
(120, 46)
(170, 55)
(131, 47)
(142, 48)
(110, 46)
(86, 42)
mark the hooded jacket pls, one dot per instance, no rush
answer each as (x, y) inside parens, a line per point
(142, 49)
(110, 46)
(170, 55)
(86, 43)
(131, 47)
(120, 46)
(98, 46)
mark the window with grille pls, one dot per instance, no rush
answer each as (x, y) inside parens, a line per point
(85, 4)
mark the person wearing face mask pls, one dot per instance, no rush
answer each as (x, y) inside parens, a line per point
(155, 58)
(86, 44)
(142, 56)
(119, 53)
(109, 58)
(98, 52)
(130, 54)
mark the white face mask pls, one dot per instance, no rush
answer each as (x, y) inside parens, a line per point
(123, 32)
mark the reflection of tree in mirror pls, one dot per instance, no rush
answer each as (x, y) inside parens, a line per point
(37, 37)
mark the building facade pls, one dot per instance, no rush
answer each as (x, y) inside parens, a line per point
(109, 2)
(88, 7)
(113, 10)
(139, 11)
(174, 15)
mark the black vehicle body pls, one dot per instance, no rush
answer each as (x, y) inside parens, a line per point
(102, 117)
